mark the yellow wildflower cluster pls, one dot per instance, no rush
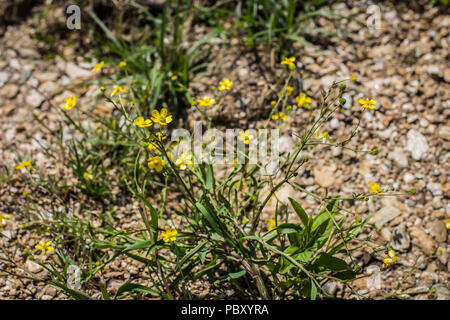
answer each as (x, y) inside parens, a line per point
(25, 164)
(3, 218)
(272, 224)
(162, 117)
(447, 223)
(374, 187)
(70, 102)
(87, 176)
(184, 161)
(289, 62)
(281, 116)
(142, 123)
(325, 136)
(245, 136)
(117, 90)
(45, 246)
(368, 103)
(289, 90)
(156, 163)
(169, 235)
(225, 84)
(391, 260)
(122, 64)
(303, 100)
(206, 101)
(98, 66)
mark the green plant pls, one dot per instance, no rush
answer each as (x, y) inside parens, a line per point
(218, 234)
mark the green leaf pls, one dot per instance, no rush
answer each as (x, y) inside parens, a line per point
(229, 276)
(105, 293)
(300, 212)
(313, 290)
(127, 287)
(324, 261)
(236, 275)
(345, 275)
(211, 221)
(192, 253)
(287, 228)
(210, 182)
(154, 215)
(141, 245)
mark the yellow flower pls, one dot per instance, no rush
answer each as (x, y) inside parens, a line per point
(447, 223)
(98, 264)
(206, 101)
(45, 246)
(184, 161)
(245, 136)
(367, 103)
(25, 164)
(142, 123)
(374, 187)
(225, 84)
(3, 218)
(173, 78)
(323, 135)
(353, 79)
(272, 224)
(272, 103)
(156, 163)
(161, 117)
(117, 90)
(122, 64)
(87, 176)
(387, 262)
(289, 62)
(391, 253)
(169, 235)
(245, 221)
(70, 102)
(281, 116)
(289, 90)
(151, 146)
(303, 100)
(98, 66)
(161, 136)
(392, 260)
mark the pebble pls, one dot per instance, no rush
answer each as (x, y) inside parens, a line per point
(408, 177)
(9, 91)
(417, 144)
(435, 188)
(400, 157)
(438, 230)
(32, 266)
(34, 98)
(384, 215)
(286, 144)
(330, 287)
(423, 240)
(400, 238)
(324, 176)
(441, 292)
(75, 72)
(4, 77)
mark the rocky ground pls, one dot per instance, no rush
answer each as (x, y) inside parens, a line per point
(404, 66)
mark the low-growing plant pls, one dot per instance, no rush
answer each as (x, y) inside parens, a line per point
(215, 232)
